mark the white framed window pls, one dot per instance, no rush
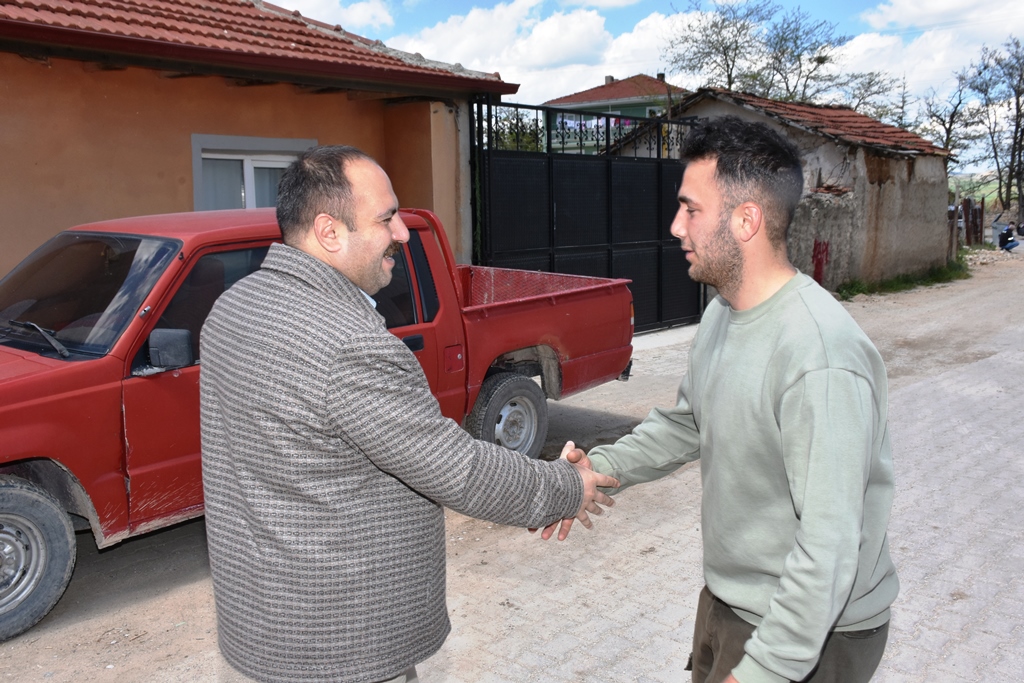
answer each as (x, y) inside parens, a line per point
(238, 181)
(236, 172)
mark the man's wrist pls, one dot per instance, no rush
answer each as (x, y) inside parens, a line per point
(749, 671)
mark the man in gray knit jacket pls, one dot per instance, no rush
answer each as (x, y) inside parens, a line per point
(326, 460)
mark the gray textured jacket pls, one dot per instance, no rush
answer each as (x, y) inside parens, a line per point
(326, 463)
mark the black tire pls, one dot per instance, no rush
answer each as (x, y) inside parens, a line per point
(510, 411)
(37, 555)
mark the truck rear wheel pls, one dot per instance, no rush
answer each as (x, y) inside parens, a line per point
(37, 555)
(510, 411)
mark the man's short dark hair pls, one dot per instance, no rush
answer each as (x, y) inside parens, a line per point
(316, 183)
(755, 164)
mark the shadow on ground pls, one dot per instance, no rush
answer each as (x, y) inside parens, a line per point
(130, 573)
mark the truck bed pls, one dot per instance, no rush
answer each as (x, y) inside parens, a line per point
(585, 322)
(483, 287)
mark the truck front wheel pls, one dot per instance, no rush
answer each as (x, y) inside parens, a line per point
(37, 555)
(510, 411)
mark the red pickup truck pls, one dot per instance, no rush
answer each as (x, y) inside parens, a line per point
(99, 370)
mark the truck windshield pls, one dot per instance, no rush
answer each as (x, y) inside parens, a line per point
(82, 289)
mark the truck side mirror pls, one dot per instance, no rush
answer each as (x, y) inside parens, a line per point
(170, 349)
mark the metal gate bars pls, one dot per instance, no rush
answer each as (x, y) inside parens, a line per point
(583, 193)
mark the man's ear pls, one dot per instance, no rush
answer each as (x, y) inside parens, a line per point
(327, 231)
(747, 220)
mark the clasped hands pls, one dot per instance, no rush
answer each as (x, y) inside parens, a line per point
(592, 497)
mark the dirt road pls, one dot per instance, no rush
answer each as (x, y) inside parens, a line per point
(143, 611)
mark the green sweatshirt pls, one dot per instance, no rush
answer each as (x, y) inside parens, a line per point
(786, 406)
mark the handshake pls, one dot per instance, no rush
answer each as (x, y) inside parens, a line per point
(592, 497)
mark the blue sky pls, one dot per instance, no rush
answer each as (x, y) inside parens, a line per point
(557, 47)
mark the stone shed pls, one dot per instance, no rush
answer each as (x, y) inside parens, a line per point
(875, 195)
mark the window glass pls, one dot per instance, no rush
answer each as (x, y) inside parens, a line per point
(241, 181)
(395, 302)
(424, 277)
(82, 288)
(211, 276)
(222, 184)
(266, 180)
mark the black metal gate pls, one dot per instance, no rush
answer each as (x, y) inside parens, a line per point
(588, 194)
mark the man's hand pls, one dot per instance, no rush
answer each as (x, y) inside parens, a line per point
(592, 498)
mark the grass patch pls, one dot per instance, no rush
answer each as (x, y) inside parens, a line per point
(954, 270)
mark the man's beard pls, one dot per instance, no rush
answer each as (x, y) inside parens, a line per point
(720, 263)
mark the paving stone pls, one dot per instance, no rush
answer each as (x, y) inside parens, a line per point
(627, 591)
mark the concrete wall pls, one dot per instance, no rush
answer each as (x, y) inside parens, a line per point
(891, 222)
(79, 143)
(904, 214)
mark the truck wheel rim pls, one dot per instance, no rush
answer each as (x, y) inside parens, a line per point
(22, 559)
(516, 426)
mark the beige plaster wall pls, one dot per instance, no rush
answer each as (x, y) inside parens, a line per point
(904, 214)
(428, 161)
(452, 186)
(78, 143)
(407, 153)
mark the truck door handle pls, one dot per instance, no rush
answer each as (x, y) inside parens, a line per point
(414, 342)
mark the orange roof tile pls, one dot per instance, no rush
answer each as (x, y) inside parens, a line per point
(238, 34)
(634, 87)
(838, 122)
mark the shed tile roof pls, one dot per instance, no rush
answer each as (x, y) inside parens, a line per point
(635, 87)
(237, 33)
(838, 122)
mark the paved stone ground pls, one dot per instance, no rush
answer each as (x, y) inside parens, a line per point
(617, 604)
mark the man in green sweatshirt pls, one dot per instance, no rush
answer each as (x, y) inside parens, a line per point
(785, 404)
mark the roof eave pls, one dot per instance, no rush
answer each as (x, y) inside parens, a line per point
(269, 66)
(838, 139)
(622, 101)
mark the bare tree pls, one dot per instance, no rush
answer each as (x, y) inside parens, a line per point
(743, 46)
(952, 122)
(998, 79)
(723, 46)
(801, 54)
(904, 110)
(868, 92)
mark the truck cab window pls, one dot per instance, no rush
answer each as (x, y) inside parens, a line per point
(209, 277)
(424, 278)
(395, 302)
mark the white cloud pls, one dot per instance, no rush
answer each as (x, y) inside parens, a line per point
(928, 41)
(549, 57)
(639, 51)
(635, 52)
(478, 40)
(925, 62)
(352, 16)
(600, 4)
(578, 37)
(935, 13)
